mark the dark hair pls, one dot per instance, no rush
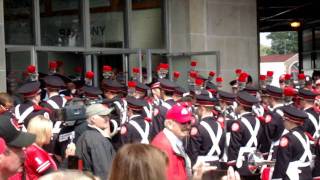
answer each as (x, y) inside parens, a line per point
(168, 93)
(5, 99)
(139, 162)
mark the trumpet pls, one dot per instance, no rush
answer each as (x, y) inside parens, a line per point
(256, 162)
(256, 159)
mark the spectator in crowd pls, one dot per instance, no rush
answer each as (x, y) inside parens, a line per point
(177, 127)
(6, 102)
(139, 162)
(69, 175)
(93, 146)
(38, 162)
(12, 157)
(11, 160)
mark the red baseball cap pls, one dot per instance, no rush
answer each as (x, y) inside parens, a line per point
(179, 113)
(3, 146)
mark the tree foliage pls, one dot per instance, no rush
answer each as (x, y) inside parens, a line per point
(283, 42)
(264, 50)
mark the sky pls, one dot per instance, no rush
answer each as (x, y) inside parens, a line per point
(264, 41)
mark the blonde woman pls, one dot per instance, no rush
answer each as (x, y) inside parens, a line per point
(38, 162)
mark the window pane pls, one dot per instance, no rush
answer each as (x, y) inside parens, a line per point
(317, 37)
(147, 24)
(106, 23)
(307, 40)
(18, 22)
(16, 65)
(307, 62)
(68, 62)
(61, 23)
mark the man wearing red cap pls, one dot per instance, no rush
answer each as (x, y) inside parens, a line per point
(177, 127)
(159, 113)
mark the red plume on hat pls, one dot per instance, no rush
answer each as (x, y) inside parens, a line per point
(107, 71)
(199, 82)
(107, 68)
(238, 71)
(212, 73)
(269, 73)
(164, 66)
(287, 78)
(135, 73)
(33, 75)
(301, 76)
(242, 80)
(301, 80)
(31, 69)
(131, 88)
(243, 77)
(132, 84)
(199, 86)
(193, 74)
(136, 70)
(162, 70)
(269, 77)
(53, 65)
(89, 77)
(262, 77)
(289, 91)
(193, 63)
(219, 81)
(192, 77)
(176, 75)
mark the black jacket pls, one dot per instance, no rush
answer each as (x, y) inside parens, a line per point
(96, 152)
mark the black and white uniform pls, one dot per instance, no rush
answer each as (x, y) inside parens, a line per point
(293, 157)
(274, 129)
(246, 136)
(137, 130)
(207, 140)
(22, 111)
(312, 124)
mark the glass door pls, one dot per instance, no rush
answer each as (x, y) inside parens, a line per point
(17, 61)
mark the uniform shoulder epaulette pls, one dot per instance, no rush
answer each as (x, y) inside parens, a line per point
(235, 127)
(123, 130)
(284, 142)
(155, 111)
(194, 131)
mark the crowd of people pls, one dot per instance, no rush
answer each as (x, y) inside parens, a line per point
(160, 130)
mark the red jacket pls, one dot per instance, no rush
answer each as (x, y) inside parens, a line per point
(37, 162)
(176, 169)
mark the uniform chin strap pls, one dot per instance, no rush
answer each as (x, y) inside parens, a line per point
(115, 127)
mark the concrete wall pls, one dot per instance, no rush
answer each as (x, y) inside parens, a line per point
(228, 26)
(2, 51)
